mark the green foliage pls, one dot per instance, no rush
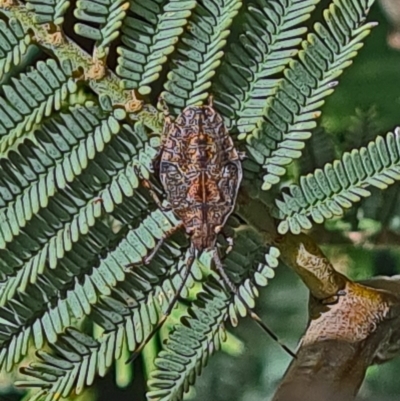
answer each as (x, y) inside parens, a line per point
(31, 98)
(189, 347)
(77, 357)
(67, 248)
(48, 11)
(108, 15)
(14, 43)
(199, 53)
(289, 115)
(265, 44)
(147, 44)
(75, 144)
(328, 191)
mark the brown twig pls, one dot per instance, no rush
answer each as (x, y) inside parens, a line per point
(351, 326)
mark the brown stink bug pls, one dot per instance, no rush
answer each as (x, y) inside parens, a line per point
(200, 171)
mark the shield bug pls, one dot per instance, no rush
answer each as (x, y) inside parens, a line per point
(200, 171)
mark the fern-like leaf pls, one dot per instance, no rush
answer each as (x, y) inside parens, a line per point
(108, 15)
(189, 347)
(14, 43)
(267, 42)
(328, 191)
(48, 11)
(32, 97)
(199, 53)
(129, 315)
(32, 314)
(81, 358)
(74, 245)
(290, 114)
(60, 142)
(29, 218)
(148, 43)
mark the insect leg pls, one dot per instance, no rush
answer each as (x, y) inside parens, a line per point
(188, 267)
(151, 255)
(149, 186)
(229, 240)
(242, 155)
(254, 316)
(165, 109)
(164, 134)
(171, 305)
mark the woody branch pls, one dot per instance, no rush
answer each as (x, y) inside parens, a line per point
(351, 326)
(66, 49)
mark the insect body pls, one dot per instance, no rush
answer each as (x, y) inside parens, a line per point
(200, 171)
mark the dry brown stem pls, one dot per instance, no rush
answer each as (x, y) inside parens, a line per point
(351, 326)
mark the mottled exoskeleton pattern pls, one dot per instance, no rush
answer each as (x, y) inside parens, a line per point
(201, 172)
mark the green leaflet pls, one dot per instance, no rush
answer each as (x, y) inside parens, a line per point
(108, 278)
(266, 42)
(65, 146)
(31, 98)
(149, 38)
(71, 53)
(44, 241)
(199, 53)
(14, 43)
(107, 17)
(191, 344)
(48, 11)
(49, 244)
(79, 358)
(290, 113)
(329, 191)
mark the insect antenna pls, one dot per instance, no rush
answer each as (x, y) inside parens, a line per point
(165, 109)
(253, 315)
(187, 267)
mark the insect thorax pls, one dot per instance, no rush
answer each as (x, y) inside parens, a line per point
(201, 172)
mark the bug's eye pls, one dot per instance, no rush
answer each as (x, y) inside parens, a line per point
(189, 114)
